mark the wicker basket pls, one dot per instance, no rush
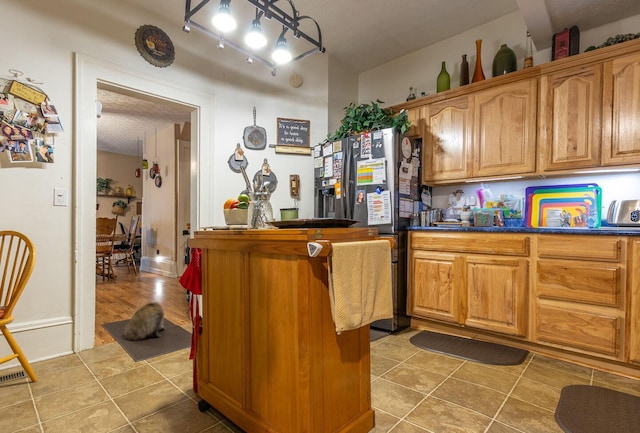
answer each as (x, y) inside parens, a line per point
(117, 210)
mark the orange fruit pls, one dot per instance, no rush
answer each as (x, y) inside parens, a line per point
(229, 202)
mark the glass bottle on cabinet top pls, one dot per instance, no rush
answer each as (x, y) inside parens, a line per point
(504, 61)
(478, 74)
(444, 79)
(528, 52)
(464, 71)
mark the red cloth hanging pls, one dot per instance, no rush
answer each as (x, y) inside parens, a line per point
(192, 277)
(192, 281)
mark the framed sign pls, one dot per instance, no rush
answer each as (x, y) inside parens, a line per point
(293, 132)
(154, 46)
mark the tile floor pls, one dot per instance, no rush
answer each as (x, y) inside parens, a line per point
(413, 391)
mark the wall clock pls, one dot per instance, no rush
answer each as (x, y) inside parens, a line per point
(154, 45)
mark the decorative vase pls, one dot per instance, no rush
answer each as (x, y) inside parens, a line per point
(478, 74)
(117, 210)
(464, 71)
(504, 61)
(444, 80)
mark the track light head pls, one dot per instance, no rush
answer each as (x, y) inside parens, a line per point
(223, 20)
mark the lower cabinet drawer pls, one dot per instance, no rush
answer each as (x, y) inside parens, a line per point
(592, 332)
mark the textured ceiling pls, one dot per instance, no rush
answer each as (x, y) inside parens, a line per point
(361, 34)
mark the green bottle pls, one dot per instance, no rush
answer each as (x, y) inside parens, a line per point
(444, 80)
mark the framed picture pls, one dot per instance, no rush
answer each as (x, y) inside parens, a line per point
(20, 151)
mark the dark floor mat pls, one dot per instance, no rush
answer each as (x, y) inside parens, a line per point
(593, 409)
(466, 348)
(173, 338)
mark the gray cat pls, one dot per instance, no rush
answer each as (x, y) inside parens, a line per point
(147, 322)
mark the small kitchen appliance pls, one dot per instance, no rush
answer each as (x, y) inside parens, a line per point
(624, 213)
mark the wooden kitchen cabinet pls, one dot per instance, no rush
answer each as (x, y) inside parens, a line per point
(579, 293)
(416, 117)
(570, 129)
(446, 141)
(268, 357)
(621, 137)
(466, 280)
(504, 129)
(634, 307)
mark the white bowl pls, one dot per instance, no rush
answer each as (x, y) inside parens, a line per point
(236, 217)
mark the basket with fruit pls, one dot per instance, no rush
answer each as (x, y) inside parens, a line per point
(236, 210)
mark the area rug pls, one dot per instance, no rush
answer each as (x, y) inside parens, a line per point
(467, 348)
(593, 409)
(173, 338)
(374, 334)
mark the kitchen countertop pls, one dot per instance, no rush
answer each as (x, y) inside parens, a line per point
(605, 230)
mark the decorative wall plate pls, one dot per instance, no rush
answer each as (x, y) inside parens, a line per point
(155, 46)
(158, 180)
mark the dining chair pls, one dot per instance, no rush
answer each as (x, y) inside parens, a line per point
(17, 258)
(105, 238)
(126, 248)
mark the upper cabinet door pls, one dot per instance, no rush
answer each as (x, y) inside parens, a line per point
(505, 129)
(447, 140)
(569, 132)
(416, 116)
(621, 141)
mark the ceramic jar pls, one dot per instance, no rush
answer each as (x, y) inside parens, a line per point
(504, 61)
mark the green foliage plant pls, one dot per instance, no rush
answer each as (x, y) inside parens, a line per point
(103, 184)
(120, 203)
(369, 117)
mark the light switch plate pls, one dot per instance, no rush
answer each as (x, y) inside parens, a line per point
(60, 197)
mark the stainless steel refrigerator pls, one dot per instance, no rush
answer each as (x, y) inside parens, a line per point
(373, 178)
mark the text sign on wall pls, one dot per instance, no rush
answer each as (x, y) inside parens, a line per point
(293, 132)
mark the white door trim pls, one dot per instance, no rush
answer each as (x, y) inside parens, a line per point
(88, 73)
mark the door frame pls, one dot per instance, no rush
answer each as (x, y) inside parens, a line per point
(89, 72)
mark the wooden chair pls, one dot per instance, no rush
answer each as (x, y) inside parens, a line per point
(17, 258)
(126, 248)
(105, 239)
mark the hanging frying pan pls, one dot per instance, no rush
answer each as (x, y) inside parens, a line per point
(255, 137)
(237, 160)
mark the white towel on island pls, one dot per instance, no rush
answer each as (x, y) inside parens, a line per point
(360, 283)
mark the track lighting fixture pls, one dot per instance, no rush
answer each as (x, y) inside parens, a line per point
(257, 37)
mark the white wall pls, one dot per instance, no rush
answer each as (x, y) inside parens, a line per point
(390, 82)
(79, 42)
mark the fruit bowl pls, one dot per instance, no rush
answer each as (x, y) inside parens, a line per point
(235, 217)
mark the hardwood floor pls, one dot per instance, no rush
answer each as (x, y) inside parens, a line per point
(118, 300)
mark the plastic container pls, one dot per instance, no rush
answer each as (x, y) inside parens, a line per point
(290, 213)
(483, 218)
(514, 222)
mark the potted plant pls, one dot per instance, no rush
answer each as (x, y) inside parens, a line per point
(368, 117)
(119, 207)
(104, 185)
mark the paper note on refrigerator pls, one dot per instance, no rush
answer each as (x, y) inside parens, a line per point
(379, 208)
(371, 172)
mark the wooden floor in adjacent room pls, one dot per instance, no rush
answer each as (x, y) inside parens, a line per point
(118, 300)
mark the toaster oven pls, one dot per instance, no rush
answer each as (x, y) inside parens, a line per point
(624, 213)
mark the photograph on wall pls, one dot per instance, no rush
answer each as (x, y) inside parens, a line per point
(44, 151)
(21, 152)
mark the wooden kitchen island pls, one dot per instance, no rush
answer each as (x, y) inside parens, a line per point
(268, 357)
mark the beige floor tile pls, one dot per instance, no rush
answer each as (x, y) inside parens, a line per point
(393, 351)
(381, 365)
(393, 398)
(527, 417)
(14, 392)
(116, 364)
(537, 393)
(148, 400)
(563, 366)
(439, 416)
(384, 422)
(63, 402)
(63, 379)
(497, 427)
(32, 429)
(184, 417)
(18, 416)
(184, 382)
(405, 427)
(481, 374)
(174, 365)
(553, 377)
(56, 365)
(619, 383)
(130, 380)
(441, 364)
(485, 400)
(416, 378)
(100, 418)
(102, 352)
